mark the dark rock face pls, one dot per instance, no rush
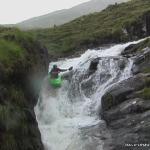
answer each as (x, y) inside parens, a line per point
(20, 81)
(126, 106)
(141, 57)
(147, 19)
(93, 66)
(121, 92)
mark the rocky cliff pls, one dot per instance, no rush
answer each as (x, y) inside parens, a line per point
(126, 106)
(23, 64)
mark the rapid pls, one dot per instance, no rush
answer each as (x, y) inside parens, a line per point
(69, 117)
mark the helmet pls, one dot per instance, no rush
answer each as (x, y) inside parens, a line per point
(55, 66)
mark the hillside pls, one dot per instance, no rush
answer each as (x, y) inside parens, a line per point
(117, 23)
(23, 62)
(66, 15)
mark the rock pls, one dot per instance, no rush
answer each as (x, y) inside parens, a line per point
(93, 66)
(142, 61)
(131, 106)
(115, 97)
(120, 92)
(131, 129)
(147, 18)
(130, 50)
(125, 110)
(141, 56)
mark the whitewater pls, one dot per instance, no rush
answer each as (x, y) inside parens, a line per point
(69, 117)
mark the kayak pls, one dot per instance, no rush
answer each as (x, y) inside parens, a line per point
(56, 82)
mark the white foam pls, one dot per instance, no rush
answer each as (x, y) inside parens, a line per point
(60, 117)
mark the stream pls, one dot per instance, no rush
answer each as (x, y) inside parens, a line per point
(68, 117)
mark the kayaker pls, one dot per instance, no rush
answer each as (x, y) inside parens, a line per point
(55, 71)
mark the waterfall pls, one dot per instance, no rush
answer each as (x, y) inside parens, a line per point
(68, 117)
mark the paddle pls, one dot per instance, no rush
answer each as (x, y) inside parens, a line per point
(70, 68)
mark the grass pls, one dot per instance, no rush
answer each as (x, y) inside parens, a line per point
(11, 117)
(17, 97)
(95, 29)
(20, 56)
(10, 52)
(17, 131)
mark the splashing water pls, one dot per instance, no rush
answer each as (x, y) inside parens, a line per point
(68, 117)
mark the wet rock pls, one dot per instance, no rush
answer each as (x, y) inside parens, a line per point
(129, 124)
(131, 106)
(93, 66)
(122, 63)
(130, 50)
(141, 56)
(147, 18)
(142, 61)
(115, 97)
(131, 129)
(120, 92)
(125, 111)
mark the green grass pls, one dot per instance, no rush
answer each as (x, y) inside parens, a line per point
(18, 131)
(20, 57)
(95, 29)
(18, 49)
(10, 52)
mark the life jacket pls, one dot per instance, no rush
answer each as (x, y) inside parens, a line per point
(54, 72)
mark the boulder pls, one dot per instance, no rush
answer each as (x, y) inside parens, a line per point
(120, 92)
(93, 66)
(126, 105)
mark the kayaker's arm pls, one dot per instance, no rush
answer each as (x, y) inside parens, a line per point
(63, 70)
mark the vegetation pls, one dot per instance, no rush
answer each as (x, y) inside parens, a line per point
(20, 56)
(145, 93)
(147, 82)
(146, 70)
(117, 23)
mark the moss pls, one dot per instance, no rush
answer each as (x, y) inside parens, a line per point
(10, 52)
(20, 57)
(146, 70)
(147, 80)
(145, 93)
(9, 142)
(140, 46)
(17, 97)
(11, 117)
(108, 101)
(18, 131)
